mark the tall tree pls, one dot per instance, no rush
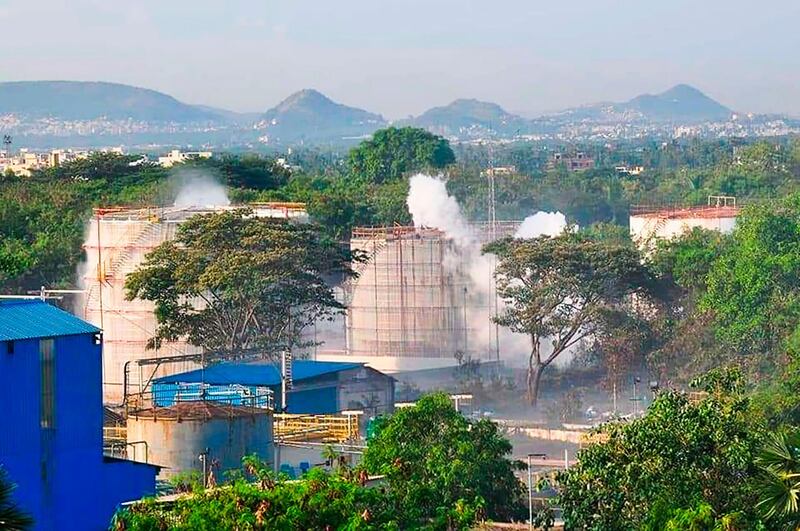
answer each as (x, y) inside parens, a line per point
(754, 286)
(434, 458)
(565, 289)
(232, 281)
(394, 152)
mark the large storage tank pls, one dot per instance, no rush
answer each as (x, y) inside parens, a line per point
(650, 223)
(177, 436)
(408, 307)
(116, 243)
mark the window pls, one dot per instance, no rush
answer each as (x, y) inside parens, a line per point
(47, 363)
(9, 347)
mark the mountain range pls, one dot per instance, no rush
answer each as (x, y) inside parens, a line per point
(31, 108)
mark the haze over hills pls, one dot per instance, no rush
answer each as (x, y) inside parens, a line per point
(469, 117)
(309, 115)
(680, 104)
(82, 100)
(73, 113)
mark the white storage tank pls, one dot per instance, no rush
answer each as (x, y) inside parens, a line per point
(176, 436)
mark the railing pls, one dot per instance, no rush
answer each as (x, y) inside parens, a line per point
(163, 396)
(324, 428)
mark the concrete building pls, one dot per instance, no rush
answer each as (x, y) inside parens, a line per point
(116, 243)
(176, 156)
(318, 387)
(649, 223)
(578, 162)
(52, 441)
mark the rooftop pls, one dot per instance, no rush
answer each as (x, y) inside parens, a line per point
(684, 212)
(29, 319)
(180, 213)
(257, 373)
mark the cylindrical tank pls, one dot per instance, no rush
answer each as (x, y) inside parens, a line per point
(117, 241)
(666, 223)
(177, 436)
(409, 301)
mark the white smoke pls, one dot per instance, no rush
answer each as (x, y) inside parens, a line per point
(431, 206)
(196, 188)
(542, 224)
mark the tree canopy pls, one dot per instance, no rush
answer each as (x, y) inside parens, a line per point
(434, 458)
(394, 152)
(232, 281)
(683, 458)
(565, 289)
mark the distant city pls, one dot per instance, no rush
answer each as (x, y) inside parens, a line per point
(49, 114)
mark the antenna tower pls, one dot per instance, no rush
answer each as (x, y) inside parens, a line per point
(7, 145)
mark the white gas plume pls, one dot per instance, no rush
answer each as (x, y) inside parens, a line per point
(542, 224)
(196, 188)
(431, 206)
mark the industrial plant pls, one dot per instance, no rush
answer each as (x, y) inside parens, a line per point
(117, 241)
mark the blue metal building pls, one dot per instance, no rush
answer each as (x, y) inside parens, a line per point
(51, 442)
(319, 387)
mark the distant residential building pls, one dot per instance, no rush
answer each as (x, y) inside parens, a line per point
(578, 162)
(51, 442)
(176, 156)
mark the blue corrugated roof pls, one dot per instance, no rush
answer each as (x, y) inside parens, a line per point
(258, 373)
(28, 319)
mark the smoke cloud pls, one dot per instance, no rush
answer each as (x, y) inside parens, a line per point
(542, 224)
(431, 206)
(196, 188)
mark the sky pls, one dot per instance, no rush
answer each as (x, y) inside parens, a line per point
(400, 57)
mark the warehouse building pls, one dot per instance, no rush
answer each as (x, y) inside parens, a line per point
(318, 387)
(51, 399)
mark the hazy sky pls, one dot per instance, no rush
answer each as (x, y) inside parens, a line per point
(401, 57)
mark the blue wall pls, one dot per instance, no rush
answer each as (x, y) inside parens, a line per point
(62, 477)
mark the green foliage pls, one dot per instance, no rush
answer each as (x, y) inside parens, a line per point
(779, 483)
(687, 259)
(260, 280)
(12, 518)
(682, 464)
(393, 152)
(564, 290)
(436, 462)
(249, 171)
(753, 286)
(320, 501)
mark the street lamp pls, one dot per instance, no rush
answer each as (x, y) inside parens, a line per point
(530, 488)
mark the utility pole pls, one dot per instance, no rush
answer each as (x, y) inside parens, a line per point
(492, 218)
(530, 488)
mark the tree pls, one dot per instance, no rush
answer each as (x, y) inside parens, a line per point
(753, 289)
(394, 152)
(565, 289)
(12, 518)
(682, 455)
(779, 483)
(435, 459)
(231, 282)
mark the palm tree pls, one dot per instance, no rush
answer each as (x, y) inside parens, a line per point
(779, 485)
(12, 518)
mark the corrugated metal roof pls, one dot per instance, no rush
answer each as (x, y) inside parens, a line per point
(28, 319)
(259, 373)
